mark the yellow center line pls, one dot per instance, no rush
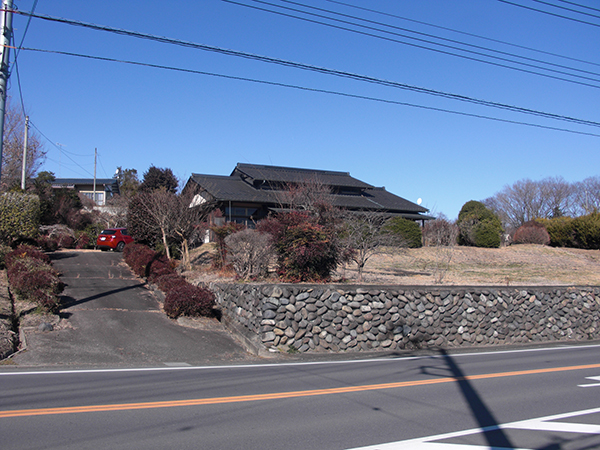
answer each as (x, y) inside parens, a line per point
(280, 395)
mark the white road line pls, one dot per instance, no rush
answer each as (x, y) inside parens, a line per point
(538, 424)
(590, 385)
(306, 363)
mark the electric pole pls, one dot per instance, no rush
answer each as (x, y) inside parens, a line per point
(5, 38)
(95, 159)
(24, 168)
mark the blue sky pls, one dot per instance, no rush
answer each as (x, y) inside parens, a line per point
(140, 116)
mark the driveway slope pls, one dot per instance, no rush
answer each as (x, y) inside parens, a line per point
(111, 318)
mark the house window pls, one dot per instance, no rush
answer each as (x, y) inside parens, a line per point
(240, 215)
(99, 200)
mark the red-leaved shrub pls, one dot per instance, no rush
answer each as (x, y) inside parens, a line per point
(138, 256)
(169, 281)
(188, 300)
(182, 299)
(531, 232)
(33, 279)
(26, 251)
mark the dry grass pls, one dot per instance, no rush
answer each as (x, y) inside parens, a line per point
(514, 265)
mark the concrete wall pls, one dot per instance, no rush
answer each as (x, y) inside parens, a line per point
(313, 318)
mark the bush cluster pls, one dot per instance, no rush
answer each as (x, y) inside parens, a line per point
(58, 236)
(181, 298)
(306, 250)
(478, 226)
(187, 300)
(408, 231)
(580, 232)
(531, 232)
(32, 278)
(19, 217)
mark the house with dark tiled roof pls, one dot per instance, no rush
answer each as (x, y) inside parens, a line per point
(253, 191)
(100, 190)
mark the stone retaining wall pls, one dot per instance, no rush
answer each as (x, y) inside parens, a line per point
(350, 318)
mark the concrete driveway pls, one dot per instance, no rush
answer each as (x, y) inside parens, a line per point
(111, 319)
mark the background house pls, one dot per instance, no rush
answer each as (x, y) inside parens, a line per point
(252, 191)
(105, 187)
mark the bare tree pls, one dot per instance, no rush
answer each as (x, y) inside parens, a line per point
(250, 252)
(187, 219)
(528, 200)
(557, 197)
(586, 196)
(306, 195)
(160, 208)
(362, 237)
(12, 153)
(442, 235)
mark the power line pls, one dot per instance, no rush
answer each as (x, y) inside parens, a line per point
(567, 9)
(17, 52)
(56, 146)
(308, 67)
(471, 58)
(550, 13)
(580, 5)
(465, 33)
(453, 41)
(324, 91)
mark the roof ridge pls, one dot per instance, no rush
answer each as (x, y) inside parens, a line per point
(295, 169)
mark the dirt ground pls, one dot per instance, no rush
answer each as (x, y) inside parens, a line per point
(532, 265)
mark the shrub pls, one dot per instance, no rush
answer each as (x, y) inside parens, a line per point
(306, 252)
(34, 280)
(82, 241)
(188, 300)
(19, 217)
(26, 251)
(249, 252)
(169, 281)
(47, 243)
(478, 226)
(439, 233)
(531, 232)
(4, 250)
(159, 266)
(147, 263)
(407, 230)
(560, 230)
(138, 256)
(587, 231)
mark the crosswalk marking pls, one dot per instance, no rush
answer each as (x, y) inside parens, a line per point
(548, 423)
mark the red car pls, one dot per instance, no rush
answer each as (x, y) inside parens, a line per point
(113, 239)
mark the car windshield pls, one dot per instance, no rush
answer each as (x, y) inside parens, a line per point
(108, 232)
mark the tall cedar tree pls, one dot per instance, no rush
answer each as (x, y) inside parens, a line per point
(156, 178)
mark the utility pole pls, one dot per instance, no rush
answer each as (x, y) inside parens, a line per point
(5, 38)
(95, 158)
(24, 168)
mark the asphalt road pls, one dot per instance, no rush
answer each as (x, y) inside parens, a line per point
(472, 401)
(112, 319)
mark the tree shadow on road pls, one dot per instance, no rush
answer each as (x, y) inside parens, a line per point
(67, 301)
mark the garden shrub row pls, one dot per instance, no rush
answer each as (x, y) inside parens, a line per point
(32, 278)
(579, 232)
(181, 298)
